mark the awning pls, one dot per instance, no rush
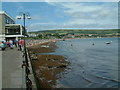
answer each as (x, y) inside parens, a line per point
(12, 26)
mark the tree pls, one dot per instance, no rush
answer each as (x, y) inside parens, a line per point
(40, 36)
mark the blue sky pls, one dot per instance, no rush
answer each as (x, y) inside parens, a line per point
(65, 15)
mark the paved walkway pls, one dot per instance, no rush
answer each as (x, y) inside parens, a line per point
(0, 70)
(12, 73)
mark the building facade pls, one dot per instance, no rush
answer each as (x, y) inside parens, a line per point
(8, 28)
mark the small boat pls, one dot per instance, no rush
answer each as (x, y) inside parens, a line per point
(108, 42)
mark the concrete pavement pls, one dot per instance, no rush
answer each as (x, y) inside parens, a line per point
(12, 73)
(0, 70)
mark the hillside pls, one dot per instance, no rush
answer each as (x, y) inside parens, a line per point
(51, 34)
(79, 31)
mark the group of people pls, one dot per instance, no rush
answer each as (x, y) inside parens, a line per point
(12, 43)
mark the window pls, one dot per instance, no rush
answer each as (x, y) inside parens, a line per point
(9, 20)
(12, 30)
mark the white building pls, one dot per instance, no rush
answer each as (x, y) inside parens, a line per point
(13, 31)
(8, 28)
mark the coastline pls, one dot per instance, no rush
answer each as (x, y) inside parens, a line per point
(46, 73)
(46, 67)
(35, 42)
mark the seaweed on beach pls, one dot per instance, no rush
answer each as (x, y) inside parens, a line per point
(46, 67)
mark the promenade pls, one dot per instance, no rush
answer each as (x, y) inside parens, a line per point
(12, 73)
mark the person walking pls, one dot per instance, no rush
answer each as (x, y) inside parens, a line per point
(15, 42)
(2, 45)
(8, 43)
(4, 41)
(19, 45)
(11, 44)
(22, 45)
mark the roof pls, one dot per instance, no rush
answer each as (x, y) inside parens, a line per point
(3, 12)
(13, 25)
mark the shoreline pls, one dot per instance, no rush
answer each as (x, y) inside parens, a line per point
(35, 42)
(46, 67)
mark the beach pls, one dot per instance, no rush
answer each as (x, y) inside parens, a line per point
(75, 63)
(46, 67)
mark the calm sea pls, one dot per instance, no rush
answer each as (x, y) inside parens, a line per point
(92, 66)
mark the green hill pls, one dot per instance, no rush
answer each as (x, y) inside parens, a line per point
(79, 31)
(73, 33)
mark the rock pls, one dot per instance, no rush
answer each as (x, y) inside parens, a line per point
(42, 78)
(45, 46)
(49, 59)
(69, 68)
(50, 66)
(50, 80)
(33, 57)
(42, 67)
(55, 59)
(62, 66)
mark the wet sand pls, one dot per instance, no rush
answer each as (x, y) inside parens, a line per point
(46, 67)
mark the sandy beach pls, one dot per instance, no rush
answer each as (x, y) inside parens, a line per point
(34, 42)
(46, 67)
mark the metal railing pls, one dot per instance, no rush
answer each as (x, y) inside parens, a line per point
(25, 67)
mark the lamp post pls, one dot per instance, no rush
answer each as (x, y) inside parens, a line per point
(24, 16)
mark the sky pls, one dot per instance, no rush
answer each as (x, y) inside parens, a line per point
(65, 15)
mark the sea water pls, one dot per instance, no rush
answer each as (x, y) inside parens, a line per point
(91, 65)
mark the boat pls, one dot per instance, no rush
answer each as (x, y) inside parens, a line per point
(108, 42)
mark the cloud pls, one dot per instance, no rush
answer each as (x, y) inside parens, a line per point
(79, 7)
(20, 7)
(83, 16)
(41, 26)
(78, 14)
(37, 17)
(43, 23)
(94, 14)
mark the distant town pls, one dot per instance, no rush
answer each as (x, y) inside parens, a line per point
(59, 34)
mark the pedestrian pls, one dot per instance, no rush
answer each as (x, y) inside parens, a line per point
(4, 41)
(8, 43)
(19, 44)
(2, 45)
(22, 44)
(11, 44)
(15, 42)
